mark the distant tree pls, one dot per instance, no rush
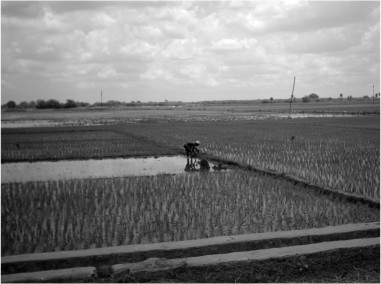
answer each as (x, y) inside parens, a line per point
(366, 97)
(349, 98)
(32, 104)
(11, 104)
(271, 99)
(82, 104)
(306, 99)
(341, 96)
(70, 104)
(23, 104)
(313, 96)
(330, 99)
(40, 104)
(113, 103)
(53, 104)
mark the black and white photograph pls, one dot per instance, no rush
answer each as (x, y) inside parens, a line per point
(190, 141)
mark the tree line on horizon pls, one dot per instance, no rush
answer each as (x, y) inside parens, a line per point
(55, 104)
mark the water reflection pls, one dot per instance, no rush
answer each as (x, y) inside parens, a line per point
(191, 165)
(194, 165)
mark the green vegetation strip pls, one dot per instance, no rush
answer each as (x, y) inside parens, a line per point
(191, 248)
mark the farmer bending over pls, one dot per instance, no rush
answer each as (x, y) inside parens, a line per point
(191, 148)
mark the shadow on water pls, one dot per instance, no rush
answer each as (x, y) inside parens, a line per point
(43, 171)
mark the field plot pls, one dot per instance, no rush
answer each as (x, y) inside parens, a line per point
(341, 153)
(72, 143)
(81, 214)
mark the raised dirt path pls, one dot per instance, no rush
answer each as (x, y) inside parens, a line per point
(156, 264)
(78, 273)
(191, 248)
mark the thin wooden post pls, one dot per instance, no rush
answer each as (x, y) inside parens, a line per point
(292, 96)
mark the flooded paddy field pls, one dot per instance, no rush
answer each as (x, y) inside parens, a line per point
(101, 168)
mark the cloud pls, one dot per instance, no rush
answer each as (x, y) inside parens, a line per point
(230, 44)
(25, 10)
(237, 47)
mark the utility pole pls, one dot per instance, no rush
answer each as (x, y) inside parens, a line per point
(101, 100)
(373, 93)
(292, 96)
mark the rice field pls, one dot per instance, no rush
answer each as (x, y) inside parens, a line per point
(73, 143)
(62, 214)
(90, 213)
(342, 154)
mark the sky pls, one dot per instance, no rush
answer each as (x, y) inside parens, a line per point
(188, 50)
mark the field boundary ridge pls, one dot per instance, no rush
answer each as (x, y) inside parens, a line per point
(77, 273)
(157, 264)
(153, 265)
(190, 248)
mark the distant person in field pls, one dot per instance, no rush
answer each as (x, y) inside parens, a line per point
(191, 149)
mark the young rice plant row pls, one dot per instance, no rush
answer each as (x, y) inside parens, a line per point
(81, 214)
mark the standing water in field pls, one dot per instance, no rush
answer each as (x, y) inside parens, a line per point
(43, 171)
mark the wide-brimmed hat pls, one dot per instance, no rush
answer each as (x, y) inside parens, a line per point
(198, 142)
